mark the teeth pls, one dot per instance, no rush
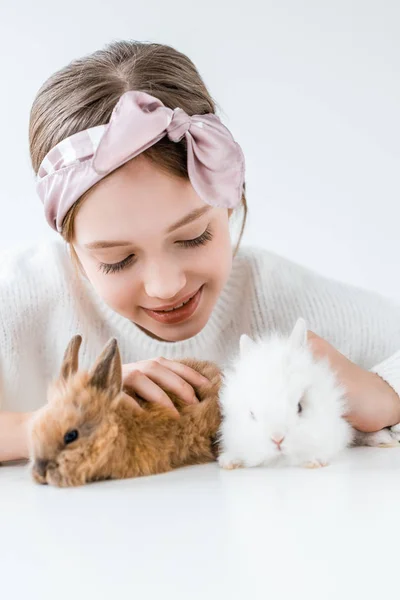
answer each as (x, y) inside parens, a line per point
(176, 307)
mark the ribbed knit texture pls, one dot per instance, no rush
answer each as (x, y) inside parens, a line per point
(43, 303)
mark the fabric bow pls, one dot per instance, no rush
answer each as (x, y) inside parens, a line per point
(215, 162)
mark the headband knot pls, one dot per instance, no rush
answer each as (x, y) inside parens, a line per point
(215, 162)
(179, 126)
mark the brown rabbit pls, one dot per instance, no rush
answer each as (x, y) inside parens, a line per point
(89, 430)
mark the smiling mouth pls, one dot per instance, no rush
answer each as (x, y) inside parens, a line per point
(169, 307)
(176, 307)
(180, 312)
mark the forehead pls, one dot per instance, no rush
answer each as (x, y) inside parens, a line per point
(138, 197)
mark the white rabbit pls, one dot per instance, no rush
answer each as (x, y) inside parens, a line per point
(281, 405)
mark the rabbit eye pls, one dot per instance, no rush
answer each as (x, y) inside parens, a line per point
(71, 436)
(299, 408)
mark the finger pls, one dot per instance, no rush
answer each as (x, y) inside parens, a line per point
(319, 346)
(132, 401)
(169, 380)
(190, 375)
(164, 377)
(148, 389)
(311, 335)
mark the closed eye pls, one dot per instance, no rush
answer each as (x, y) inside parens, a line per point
(114, 267)
(253, 416)
(201, 240)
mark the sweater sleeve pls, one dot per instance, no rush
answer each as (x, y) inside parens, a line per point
(362, 324)
(28, 301)
(42, 304)
(18, 321)
(389, 370)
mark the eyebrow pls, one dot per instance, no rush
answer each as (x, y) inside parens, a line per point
(189, 218)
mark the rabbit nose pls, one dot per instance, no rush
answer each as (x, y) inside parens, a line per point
(278, 439)
(41, 466)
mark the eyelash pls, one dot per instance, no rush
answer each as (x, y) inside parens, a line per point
(199, 241)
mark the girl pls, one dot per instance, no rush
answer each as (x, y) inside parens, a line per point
(142, 180)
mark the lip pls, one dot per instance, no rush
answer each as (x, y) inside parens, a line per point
(180, 314)
(168, 306)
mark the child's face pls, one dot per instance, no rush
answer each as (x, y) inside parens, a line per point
(137, 205)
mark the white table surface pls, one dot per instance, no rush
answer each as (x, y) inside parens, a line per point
(201, 532)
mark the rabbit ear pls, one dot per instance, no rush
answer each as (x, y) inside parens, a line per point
(106, 373)
(298, 337)
(246, 343)
(70, 360)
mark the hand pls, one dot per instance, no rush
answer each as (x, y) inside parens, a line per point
(373, 403)
(149, 378)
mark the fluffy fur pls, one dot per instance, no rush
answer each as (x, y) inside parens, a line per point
(115, 439)
(389, 437)
(276, 390)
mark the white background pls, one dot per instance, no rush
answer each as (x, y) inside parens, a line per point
(310, 89)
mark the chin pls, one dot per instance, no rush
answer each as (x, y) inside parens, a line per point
(177, 333)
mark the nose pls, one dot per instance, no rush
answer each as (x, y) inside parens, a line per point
(164, 281)
(41, 465)
(278, 439)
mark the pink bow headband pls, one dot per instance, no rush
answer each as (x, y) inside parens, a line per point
(215, 161)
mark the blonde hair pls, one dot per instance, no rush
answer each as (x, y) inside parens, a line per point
(84, 93)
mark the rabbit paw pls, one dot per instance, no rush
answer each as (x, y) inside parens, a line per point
(395, 432)
(385, 438)
(315, 464)
(227, 462)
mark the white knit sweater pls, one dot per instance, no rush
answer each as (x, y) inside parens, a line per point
(43, 303)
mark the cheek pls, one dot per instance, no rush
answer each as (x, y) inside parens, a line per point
(118, 290)
(214, 261)
(211, 266)
(73, 468)
(121, 298)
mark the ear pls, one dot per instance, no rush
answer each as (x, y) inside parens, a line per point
(70, 361)
(106, 373)
(246, 344)
(298, 337)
